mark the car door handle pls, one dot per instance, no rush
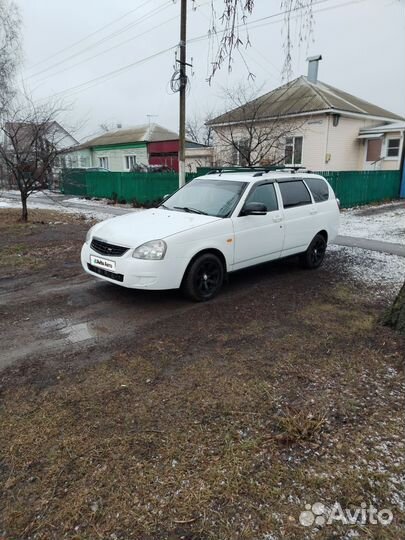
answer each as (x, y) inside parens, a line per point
(277, 219)
(313, 211)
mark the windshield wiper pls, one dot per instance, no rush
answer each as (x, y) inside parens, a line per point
(191, 210)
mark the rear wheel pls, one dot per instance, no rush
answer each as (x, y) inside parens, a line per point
(315, 254)
(204, 278)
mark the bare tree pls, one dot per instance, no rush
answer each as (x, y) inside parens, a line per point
(198, 130)
(246, 136)
(31, 142)
(9, 51)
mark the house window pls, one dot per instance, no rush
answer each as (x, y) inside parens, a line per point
(130, 162)
(293, 151)
(373, 150)
(103, 162)
(234, 156)
(243, 151)
(393, 148)
(83, 162)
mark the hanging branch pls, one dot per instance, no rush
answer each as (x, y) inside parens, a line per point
(233, 18)
(303, 11)
(231, 30)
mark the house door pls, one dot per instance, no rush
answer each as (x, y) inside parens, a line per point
(373, 154)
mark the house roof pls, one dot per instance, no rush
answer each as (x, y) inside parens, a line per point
(142, 133)
(301, 96)
(25, 133)
(394, 126)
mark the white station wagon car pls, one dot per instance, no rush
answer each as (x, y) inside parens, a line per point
(215, 224)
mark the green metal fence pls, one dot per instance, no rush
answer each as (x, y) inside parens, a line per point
(351, 187)
(128, 187)
(355, 188)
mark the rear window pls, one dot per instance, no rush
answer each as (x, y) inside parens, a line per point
(294, 193)
(319, 189)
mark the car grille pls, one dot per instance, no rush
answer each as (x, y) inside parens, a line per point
(105, 273)
(107, 249)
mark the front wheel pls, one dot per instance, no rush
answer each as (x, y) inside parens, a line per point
(315, 254)
(204, 278)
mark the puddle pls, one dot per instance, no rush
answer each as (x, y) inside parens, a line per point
(72, 332)
(54, 324)
(79, 332)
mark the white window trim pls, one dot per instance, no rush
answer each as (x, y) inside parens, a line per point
(392, 158)
(302, 151)
(99, 161)
(125, 161)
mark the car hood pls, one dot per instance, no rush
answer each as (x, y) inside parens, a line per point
(135, 228)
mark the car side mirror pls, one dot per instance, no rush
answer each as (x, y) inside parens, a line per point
(254, 209)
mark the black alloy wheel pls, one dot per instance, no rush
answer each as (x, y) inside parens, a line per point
(204, 278)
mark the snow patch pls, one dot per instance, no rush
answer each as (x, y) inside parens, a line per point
(383, 222)
(381, 271)
(89, 214)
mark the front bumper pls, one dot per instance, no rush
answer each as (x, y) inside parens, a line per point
(137, 273)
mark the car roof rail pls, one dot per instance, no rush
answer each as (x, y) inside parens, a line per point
(258, 171)
(293, 169)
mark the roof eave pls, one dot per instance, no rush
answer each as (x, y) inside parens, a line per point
(306, 113)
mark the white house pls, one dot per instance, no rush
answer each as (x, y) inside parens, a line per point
(324, 128)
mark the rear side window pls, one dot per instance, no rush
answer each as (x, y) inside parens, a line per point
(265, 194)
(319, 189)
(294, 193)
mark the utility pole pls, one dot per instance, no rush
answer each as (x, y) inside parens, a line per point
(183, 85)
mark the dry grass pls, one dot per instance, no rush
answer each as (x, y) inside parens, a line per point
(300, 425)
(46, 238)
(220, 440)
(10, 219)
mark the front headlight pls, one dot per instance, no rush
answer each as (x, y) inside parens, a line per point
(89, 234)
(153, 250)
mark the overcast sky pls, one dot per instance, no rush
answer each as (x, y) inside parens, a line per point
(71, 47)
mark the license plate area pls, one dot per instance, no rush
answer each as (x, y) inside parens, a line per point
(100, 262)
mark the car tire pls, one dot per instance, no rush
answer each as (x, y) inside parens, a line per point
(314, 256)
(204, 278)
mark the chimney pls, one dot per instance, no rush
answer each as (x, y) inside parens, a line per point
(313, 64)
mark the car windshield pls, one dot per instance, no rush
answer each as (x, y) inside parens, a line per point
(206, 196)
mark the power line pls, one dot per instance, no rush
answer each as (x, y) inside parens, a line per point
(88, 36)
(111, 73)
(108, 50)
(105, 38)
(115, 72)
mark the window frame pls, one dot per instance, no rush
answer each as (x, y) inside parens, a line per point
(392, 158)
(107, 162)
(128, 157)
(310, 190)
(381, 151)
(294, 137)
(289, 181)
(255, 186)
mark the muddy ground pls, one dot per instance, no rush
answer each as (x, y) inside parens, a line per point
(127, 414)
